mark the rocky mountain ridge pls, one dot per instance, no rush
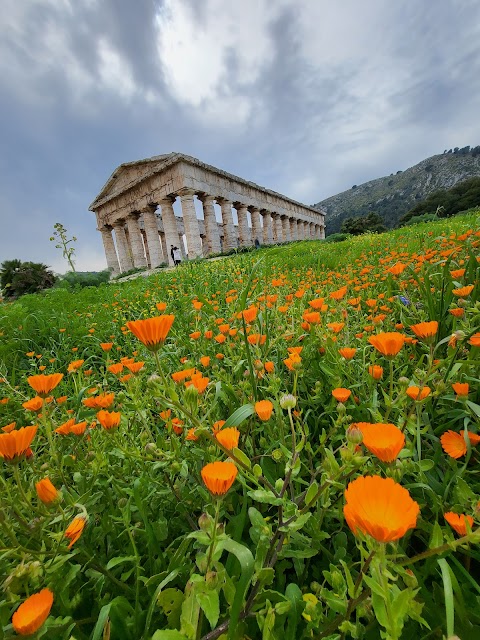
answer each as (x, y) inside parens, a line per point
(392, 196)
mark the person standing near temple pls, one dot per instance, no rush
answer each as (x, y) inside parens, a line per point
(177, 256)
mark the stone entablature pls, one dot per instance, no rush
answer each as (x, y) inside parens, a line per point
(137, 203)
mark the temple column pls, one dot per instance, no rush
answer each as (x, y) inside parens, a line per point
(110, 252)
(256, 226)
(190, 222)
(136, 242)
(163, 242)
(286, 228)
(172, 238)
(267, 227)
(145, 246)
(273, 217)
(122, 246)
(229, 235)
(244, 235)
(299, 230)
(322, 232)
(152, 238)
(278, 222)
(293, 229)
(212, 237)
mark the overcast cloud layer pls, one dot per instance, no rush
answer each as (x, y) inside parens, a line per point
(306, 97)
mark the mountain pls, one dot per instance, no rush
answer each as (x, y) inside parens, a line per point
(392, 196)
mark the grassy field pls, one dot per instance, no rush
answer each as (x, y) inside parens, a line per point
(289, 451)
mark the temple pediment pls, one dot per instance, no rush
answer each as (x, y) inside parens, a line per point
(129, 174)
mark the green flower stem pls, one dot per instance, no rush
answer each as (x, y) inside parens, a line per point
(474, 536)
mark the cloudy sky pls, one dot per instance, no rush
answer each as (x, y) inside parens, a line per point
(306, 97)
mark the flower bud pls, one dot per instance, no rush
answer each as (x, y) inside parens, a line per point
(354, 435)
(278, 484)
(403, 382)
(288, 401)
(341, 408)
(277, 455)
(205, 522)
(46, 491)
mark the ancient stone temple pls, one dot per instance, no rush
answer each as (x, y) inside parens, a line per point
(139, 200)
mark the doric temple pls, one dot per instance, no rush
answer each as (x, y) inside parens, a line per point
(137, 202)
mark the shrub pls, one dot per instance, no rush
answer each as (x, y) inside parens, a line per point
(18, 278)
(338, 237)
(79, 279)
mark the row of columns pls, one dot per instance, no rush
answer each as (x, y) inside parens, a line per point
(133, 251)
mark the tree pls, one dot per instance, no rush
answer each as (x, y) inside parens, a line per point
(60, 234)
(18, 278)
(371, 222)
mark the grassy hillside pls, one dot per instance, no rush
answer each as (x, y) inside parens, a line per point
(392, 196)
(280, 444)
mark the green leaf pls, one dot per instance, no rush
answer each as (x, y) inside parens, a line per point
(448, 591)
(245, 558)
(114, 562)
(426, 465)
(209, 602)
(265, 497)
(238, 416)
(168, 634)
(242, 457)
(294, 596)
(437, 536)
(311, 494)
(189, 615)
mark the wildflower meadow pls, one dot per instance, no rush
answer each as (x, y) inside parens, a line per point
(281, 445)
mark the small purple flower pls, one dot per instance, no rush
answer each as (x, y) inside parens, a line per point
(405, 301)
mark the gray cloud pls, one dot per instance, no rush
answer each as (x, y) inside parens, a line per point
(305, 98)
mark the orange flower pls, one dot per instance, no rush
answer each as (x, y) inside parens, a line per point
(256, 338)
(134, 367)
(380, 508)
(46, 491)
(383, 440)
(347, 352)
(195, 335)
(75, 365)
(180, 376)
(397, 269)
(161, 306)
(217, 426)
(17, 443)
(336, 327)
(205, 361)
(461, 389)
(454, 444)
(219, 477)
(375, 371)
(228, 437)
(74, 530)
(293, 362)
(109, 419)
(250, 314)
(198, 382)
(152, 331)
(425, 330)
(339, 294)
(32, 613)
(418, 393)
(475, 340)
(458, 522)
(311, 317)
(102, 401)
(197, 305)
(9, 427)
(341, 395)
(191, 435)
(388, 344)
(269, 366)
(116, 368)
(264, 409)
(106, 346)
(463, 292)
(44, 384)
(458, 312)
(34, 404)
(317, 304)
(177, 425)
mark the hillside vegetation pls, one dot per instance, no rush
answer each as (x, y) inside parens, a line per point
(393, 196)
